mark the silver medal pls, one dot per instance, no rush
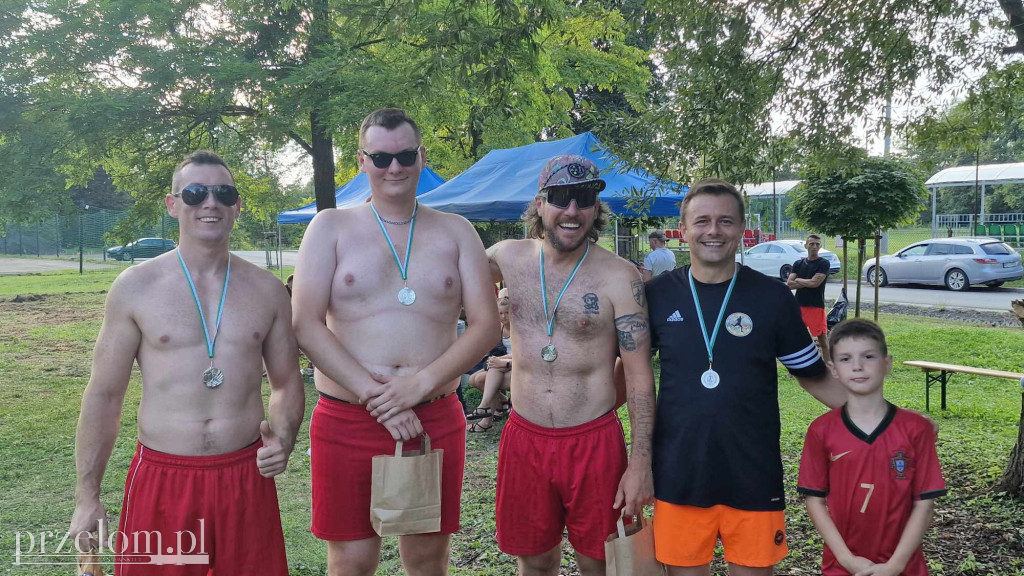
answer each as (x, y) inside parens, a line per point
(710, 379)
(213, 377)
(406, 296)
(549, 353)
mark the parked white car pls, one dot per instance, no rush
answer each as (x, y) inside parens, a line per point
(776, 258)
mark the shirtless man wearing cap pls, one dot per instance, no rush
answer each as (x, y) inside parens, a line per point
(378, 291)
(201, 324)
(575, 307)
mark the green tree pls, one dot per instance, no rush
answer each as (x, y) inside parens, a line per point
(866, 196)
(986, 127)
(141, 83)
(736, 75)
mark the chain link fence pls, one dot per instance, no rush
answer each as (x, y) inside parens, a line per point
(64, 236)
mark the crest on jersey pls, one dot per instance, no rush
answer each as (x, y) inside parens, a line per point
(739, 324)
(899, 464)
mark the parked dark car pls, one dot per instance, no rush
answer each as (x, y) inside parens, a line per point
(141, 248)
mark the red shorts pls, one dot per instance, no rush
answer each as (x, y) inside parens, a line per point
(344, 438)
(814, 319)
(550, 478)
(229, 509)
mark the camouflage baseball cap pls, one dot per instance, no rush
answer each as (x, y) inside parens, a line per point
(570, 170)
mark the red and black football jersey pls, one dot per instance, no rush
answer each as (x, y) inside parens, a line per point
(870, 481)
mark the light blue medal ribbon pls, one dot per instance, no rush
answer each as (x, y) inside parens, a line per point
(212, 377)
(710, 378)
(406, 295)
(549, 352)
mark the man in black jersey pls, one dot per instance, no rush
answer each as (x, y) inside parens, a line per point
(720, 328)
(808, 279)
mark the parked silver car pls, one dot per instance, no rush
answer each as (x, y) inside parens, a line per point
(776, 258)
(955, 263)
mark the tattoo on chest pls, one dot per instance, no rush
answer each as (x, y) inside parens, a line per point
(638, 292)
(591, 304)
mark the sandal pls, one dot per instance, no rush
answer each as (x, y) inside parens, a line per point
(479, 413)
(476, 427)
(506, 407)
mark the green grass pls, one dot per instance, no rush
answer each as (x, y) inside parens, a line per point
(46, 349)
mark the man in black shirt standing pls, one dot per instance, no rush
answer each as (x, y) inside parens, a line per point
(720, 329)
(808, 279)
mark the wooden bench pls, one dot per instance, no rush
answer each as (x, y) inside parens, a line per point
(946, 371)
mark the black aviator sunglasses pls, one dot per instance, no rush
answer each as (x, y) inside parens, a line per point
(195, 194)
(562, 196)
(383, 159)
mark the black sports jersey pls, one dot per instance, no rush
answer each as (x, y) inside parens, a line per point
(806, 269)
(721, 445)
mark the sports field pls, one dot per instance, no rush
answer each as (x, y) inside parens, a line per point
(48, 324)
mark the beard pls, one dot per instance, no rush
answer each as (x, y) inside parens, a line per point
(551, 233)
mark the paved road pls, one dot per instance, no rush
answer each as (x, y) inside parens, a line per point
(13, 266)
(982, 298)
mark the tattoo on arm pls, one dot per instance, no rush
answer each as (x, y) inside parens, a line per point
(638, 292)
(632, 329)
(591, 305)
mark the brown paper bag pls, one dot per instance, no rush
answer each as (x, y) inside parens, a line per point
(89, 565)
(405, 494)
(630, 551)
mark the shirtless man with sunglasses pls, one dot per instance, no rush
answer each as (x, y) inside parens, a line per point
(575, 308)
(201, 324)
(377, 295)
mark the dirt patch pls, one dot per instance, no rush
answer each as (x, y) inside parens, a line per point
(30, 298)
(967, 315)
(49, 310)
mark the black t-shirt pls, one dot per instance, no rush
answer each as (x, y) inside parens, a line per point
(721, 445)
(806, 269)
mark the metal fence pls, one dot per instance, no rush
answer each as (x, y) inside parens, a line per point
(64, 235)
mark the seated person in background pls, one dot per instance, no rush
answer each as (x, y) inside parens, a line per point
(495, 377)
(869, 472)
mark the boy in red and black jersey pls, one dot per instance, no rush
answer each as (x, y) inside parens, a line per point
(869, 471)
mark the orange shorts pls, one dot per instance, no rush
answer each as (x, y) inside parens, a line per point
(686, 535)
(814, 319)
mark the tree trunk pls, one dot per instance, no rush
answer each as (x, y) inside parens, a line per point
(860, 266)
(846, 263)
(321, 141)
(323, 163)
(878, 239)
(1012, 481)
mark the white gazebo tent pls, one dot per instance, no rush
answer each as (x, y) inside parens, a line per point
(982, 176)
(778, 189)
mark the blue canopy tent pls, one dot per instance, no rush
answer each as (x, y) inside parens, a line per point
(354, 193)
(502, 183)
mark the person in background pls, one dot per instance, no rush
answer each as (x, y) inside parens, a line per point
(494, 378)
(660, 259)
(808, 279)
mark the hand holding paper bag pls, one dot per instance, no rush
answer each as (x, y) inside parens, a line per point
(630, 551)
(405, 494)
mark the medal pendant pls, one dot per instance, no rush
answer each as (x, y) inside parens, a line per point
(710, 379)
(213, 377)
(549, 353)
(406, 296)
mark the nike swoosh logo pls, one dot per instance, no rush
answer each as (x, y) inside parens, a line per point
(835, 457)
